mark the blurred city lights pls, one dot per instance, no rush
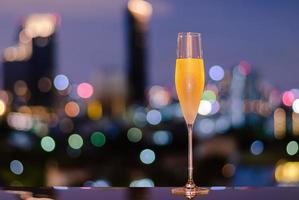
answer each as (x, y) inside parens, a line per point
(295, 124)
(159, 97)
(72, 109)
(42, 25)
(98, 139)
(216, 73)
(287, 172)
(244, 68)
(257, 147)
(139, 119)
(205, 107)
(217, 188)
(141, 10)
(61, 82)
(2, 107)
(279, 123)
(85, 90)
(154, 117)
(147, 156)
(75, 141)
(16, 167)
(44, 84)
(20, 88)
(145, 182)
(20, 121)
(222, 124)
(134, 134)
(215, 107)
(101, 183)
(288, 98)
(162, 137)
(4, 97)
(20, 140)
(94, 110)
(295, 106)
(205, 127)
(292, 148)
(228, 170)
(47, 143)
(209, 95)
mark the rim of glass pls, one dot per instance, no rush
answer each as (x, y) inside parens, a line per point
(181, 34)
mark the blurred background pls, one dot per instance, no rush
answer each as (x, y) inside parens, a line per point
(87, 94)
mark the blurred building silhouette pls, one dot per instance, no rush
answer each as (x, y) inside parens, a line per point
(29, 66)
(138, 14)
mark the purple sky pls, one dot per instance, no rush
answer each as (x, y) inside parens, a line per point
(92, 35)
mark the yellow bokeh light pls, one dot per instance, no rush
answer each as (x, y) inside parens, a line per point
(2, 107)
(287, 172)
(72, 109)
(94, 110)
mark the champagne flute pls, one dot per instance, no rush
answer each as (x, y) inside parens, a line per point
(189, 81)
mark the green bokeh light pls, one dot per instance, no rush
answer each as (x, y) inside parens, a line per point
(47, 143)
(134, 134)
(98, 139)
(75, 141)
(209, 95)
(292, 148)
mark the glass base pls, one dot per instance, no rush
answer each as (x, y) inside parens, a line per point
(190, 193)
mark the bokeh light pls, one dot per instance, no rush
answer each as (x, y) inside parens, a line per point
(295, 106)
(145, 182)
(205, 107)
(75, 141)
(216, 73)
(228, 170)
(139, 119)
(205, 127)
(244, 68)
(98, 139)
(94, 110)
(85, 90)
(101, 183)
(16, 167)
(61, 82)
(72, 109)
(147, 156)
(162, 137)
(288, 98)
(134, 134)
(257, 147)
(159, 97)
(287, 172)
(20, 88)
(292, 148)
(2, 107)
(215, 107)
(44, 84)
(209, 95)
(47, 143)
(154, 117)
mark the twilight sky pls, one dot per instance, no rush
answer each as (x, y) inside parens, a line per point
(92, 35)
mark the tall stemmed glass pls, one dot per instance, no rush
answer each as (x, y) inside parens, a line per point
(189, 81)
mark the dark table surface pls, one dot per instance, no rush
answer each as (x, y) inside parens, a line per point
(86, 193)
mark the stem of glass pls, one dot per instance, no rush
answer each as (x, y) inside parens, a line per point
(190, 183)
